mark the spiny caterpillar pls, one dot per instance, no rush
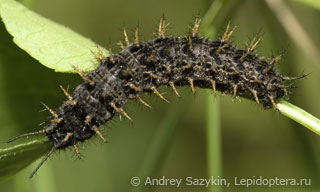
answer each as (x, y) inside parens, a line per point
(144, 66)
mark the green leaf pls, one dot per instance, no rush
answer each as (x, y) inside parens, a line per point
(313, 3)
(24, 83)
(54, 45)
(15, 158)
(300, 116)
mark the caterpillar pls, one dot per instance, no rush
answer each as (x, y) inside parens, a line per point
(143, 66)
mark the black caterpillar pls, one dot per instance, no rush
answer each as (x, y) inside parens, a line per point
(144, 66)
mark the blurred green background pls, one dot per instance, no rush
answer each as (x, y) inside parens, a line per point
(254, 142)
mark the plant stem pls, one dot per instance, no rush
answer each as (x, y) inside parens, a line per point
(214, 157)
(299, 115)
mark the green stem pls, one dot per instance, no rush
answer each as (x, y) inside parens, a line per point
(299, 115)
(214, 157)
